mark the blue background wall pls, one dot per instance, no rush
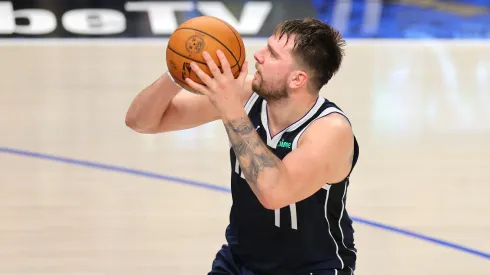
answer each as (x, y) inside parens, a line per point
(407, 19)
(416, 19)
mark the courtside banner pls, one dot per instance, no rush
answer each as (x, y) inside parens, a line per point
(411, 19)
(116, 18)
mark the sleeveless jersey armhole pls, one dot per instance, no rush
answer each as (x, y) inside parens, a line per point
(325, 113)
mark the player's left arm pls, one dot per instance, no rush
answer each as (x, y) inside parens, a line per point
(324, 155)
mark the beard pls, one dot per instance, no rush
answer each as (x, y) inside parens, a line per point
(269, 91)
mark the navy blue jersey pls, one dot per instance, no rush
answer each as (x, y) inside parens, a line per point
(313, 234)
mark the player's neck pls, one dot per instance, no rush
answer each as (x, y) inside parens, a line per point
(285, 112)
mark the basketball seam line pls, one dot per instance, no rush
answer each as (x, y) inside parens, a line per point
(200, 62)
(239, 45)
(234, 57)
(232, 30)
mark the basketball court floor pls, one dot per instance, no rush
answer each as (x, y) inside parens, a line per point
(80, 193)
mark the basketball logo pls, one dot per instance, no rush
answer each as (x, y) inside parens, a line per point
(172, 63)
(186, 70)
(195, 44)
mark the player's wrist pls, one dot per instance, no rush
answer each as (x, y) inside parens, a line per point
(232, 112)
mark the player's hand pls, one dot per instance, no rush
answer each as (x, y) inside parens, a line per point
(222, 89)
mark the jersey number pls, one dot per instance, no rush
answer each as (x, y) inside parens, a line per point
(277, 212)
(294, 218)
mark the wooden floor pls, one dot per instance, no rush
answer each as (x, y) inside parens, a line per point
(73, 199)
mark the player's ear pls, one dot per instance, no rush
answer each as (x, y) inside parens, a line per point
(297, 79)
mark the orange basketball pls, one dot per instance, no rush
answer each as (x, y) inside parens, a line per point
(203, 33)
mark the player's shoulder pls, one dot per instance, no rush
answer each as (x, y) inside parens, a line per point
(332, 117)
(333, 126)
(334, 121)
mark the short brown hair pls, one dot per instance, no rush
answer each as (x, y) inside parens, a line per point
(317, 45)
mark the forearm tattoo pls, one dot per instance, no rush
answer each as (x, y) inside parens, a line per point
(250, 150)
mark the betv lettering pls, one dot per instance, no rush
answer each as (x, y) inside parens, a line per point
(161, 16)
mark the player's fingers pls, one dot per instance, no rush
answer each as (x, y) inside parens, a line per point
(243, 73)
(206, 79)
(212, 65)
(225, 65)
(196, 86)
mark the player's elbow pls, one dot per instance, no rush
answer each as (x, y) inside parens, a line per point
(131, 122)
(271, 200)
(267, 203)
(134, 124)
(273, 204)
(274, 193)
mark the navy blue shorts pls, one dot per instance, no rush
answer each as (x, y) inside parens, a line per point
(226, 264)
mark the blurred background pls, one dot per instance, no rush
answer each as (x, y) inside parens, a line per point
(80, 193)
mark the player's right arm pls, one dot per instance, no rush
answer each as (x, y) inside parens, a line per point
(163, 107)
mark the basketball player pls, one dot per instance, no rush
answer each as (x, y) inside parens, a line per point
(292, 151)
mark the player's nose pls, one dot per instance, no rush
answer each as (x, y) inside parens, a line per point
(259, 57)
